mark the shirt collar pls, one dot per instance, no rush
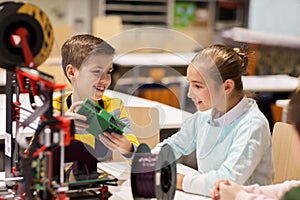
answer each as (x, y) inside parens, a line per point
(233, 114)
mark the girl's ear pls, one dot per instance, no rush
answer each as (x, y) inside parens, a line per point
(228, 86)
(70, 70)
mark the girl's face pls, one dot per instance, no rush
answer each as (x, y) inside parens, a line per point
(93, 77)
(198, 89)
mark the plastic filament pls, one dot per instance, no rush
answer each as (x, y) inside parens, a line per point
(15, 16)
(153, 175)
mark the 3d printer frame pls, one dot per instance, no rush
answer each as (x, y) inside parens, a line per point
(26, 39)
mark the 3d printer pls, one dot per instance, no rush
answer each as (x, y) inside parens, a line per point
(36, 171)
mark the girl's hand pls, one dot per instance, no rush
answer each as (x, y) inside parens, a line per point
(79, 120)
(115, 141)
(229, 191)
(226, 190)
(180, 178)
(215, 192)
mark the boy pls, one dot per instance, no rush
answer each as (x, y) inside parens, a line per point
(230, 134)
(87, 64)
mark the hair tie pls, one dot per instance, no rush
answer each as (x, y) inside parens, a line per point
(243, 57)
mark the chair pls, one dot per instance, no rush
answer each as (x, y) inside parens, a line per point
(285, 165)
(145, 124)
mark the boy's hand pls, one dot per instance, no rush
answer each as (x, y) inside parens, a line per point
(79, 120)
(115, 141)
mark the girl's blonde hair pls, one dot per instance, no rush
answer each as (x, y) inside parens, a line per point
(223, 63)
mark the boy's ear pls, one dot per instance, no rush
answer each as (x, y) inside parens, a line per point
(228, 86)
(70, 70)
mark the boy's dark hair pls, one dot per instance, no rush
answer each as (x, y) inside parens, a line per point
(294, 110)
(76, 49)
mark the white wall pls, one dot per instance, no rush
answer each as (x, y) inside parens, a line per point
(275, 16)
(79, 15)
(54, 9)
(75, 13)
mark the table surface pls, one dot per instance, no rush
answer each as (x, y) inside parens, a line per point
(270, 83)
(121, 170)
(265, 83)
(157, 59)
(135, 59)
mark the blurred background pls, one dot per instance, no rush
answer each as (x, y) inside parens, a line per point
(270, 29)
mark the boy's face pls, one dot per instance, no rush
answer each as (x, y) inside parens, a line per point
(93, 77)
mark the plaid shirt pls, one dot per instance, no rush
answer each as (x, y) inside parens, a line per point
(114, 106)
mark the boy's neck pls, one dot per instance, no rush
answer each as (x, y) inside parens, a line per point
(75, 97)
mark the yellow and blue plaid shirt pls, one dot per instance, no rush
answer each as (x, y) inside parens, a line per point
(115, 106)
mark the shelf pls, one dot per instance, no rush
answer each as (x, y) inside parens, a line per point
(138, 1)
(214, 14)
(139, 12)
(136, 8)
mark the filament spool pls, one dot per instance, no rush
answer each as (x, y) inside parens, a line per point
(40, 34)
(153, 175)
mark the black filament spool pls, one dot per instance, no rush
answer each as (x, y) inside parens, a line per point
(40, 38)
(153, 176)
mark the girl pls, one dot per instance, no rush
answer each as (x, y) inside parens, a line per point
(230, 135)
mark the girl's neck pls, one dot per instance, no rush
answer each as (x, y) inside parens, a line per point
(233, 101)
